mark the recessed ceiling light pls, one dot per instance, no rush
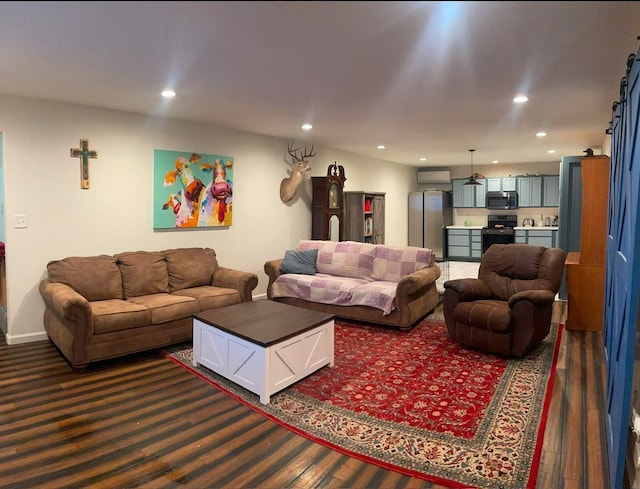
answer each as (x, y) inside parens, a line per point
(381, 146)
(520, 99)
(541, 134)
(168, 93)
(551, 151)
(495, 161)
(422, 158)
(306, 127)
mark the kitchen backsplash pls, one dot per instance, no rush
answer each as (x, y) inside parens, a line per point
(478, 217)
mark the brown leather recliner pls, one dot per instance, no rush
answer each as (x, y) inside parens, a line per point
(507, 309)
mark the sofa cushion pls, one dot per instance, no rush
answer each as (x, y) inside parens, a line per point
(341, 291)
(490, 315)
(344, 258)
(190, 267)
(95, 278)
(391, 263)
(378, 294)
(210, 297)
(167, 307)
(114, 315)
(143, 273)
(300, 261)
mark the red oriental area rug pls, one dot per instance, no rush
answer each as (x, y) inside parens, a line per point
(419, 403)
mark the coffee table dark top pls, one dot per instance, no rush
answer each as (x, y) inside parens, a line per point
(263, 322)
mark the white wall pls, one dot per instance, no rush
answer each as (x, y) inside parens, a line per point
(42, 181)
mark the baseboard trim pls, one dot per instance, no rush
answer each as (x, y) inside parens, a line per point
(26, 338)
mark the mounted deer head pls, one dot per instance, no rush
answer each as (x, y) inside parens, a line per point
(289, 186)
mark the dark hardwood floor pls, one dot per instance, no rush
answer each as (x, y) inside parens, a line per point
(142, 421)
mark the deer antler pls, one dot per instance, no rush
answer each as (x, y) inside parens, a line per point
(294, 152)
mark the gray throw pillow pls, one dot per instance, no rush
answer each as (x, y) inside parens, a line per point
(299, 261)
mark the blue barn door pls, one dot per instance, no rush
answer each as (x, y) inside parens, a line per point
(622, 268)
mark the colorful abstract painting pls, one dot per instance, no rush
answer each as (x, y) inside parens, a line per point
(191, 190)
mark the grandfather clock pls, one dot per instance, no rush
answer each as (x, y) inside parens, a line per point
(327, 221)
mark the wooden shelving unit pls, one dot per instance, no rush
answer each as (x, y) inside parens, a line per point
(586, 268)
(364, 217)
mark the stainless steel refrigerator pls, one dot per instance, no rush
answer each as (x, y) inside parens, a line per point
(430, 212)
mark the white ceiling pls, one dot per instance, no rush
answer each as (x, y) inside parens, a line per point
(427, 79)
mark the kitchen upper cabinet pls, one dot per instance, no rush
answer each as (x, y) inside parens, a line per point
(501, 184)
(468, 195)
(509, 184)
(494, 184)
(529, 191)
(551, 191)
(533, 191)
(481, 192)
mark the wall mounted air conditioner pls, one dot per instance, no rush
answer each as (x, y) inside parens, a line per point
(430, 176)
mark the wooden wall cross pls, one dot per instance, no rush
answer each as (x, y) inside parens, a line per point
(84, 153)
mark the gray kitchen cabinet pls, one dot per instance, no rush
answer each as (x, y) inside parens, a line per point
(551, 190)
(533, 190)
(468, 195)
(463, 195)
(509, 184)
(464, 244)
(529, 191)
(501, 184)
(494, 184)
(481, 192)
(537, 236)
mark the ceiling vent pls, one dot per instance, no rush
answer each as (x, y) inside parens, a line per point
(425, 176)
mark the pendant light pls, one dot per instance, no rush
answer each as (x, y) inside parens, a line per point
(472, 179)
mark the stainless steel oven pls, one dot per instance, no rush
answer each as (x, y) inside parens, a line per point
(499, 230)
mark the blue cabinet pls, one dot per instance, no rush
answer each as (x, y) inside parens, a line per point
(550, 191)
(533, 191)
(529, 191)
(468, 195)
(537, 236)
(538, 191)
(464, 244)
(501, 184)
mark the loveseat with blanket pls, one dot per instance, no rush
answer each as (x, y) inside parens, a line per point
(104, 306)
(389, 285)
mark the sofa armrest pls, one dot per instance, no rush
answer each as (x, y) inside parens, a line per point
(244, 282)
(413, 283)
(469, 289)
(272, 269)
(65, 302)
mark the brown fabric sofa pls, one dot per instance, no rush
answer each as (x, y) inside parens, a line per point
(381, 284)
(100, 307)
(506, 310)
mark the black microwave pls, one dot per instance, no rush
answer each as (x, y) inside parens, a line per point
(501, 200)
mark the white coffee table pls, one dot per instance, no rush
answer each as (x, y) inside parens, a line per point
(263, 346)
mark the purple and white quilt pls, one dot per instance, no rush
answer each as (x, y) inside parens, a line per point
(353, 274)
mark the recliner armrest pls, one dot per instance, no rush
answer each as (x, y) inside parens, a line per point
(537, 297)
(469, 289)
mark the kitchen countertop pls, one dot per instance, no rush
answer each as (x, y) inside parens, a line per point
(465, 227)
(536, 228)
(517, 228)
